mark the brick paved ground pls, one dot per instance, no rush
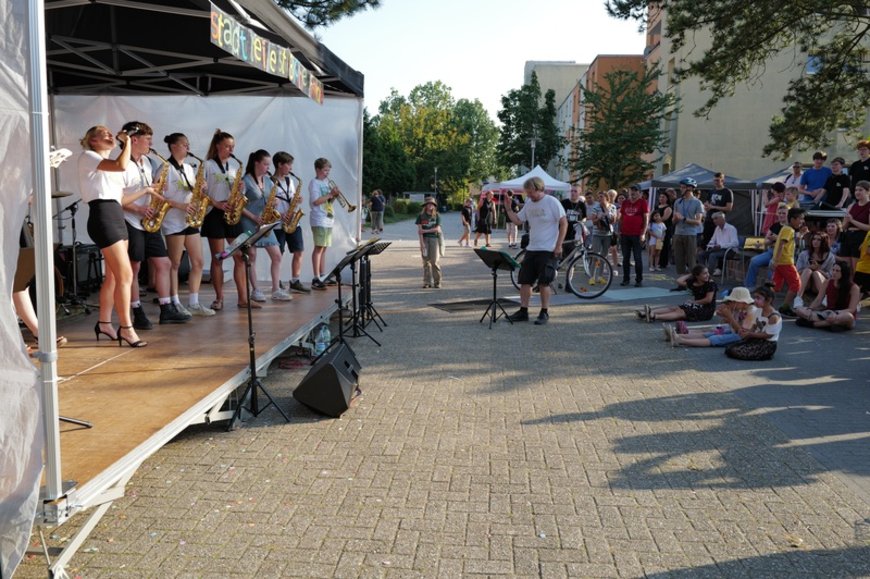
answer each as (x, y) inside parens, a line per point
(586, 448)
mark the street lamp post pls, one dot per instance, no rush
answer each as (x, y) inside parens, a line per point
(534, 143)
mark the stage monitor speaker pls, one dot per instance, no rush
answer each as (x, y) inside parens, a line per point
(330, 384)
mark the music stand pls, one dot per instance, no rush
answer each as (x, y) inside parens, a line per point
(369, 313)
(496, 260)
(336, 273)
(243, 243)
(358, 329)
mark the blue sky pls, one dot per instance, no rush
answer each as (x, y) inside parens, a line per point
(476, 47)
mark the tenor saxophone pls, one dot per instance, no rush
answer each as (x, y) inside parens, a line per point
(294, 212)
(159, 208)
(270, 212)
(199, 200)
(237, 200)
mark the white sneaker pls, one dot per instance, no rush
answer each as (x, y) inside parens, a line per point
(182, 309)
(200, 310)
(798, 302)
(281, 296)
(258, 296)
(717, 272)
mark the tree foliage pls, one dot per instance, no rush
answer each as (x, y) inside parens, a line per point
(623, 123)
(832, 35)
(314, 13)
(425, 131)
(525, 116)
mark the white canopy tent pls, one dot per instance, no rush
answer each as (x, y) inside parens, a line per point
(551, 185)
(95, 65)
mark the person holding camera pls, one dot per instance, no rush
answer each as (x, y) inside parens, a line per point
(815, 263)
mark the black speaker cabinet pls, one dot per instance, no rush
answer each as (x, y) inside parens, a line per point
(330, 384)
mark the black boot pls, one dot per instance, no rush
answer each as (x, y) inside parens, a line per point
(169, 314)
(140, 320)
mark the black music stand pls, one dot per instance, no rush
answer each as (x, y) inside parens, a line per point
(356, 325)
(496, 260)
(243, 243)
(369, 313)
(336, 273)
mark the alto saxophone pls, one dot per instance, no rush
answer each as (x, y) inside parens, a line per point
(237, 200)
(159, 208)
(199, 200)
(342, 200)
(294, 212)
(270, 212)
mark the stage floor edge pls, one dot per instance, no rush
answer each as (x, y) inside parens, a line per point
(108, 484)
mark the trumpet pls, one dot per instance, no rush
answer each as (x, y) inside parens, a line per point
(342, 200)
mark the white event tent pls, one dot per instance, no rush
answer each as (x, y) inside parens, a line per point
(551, 185)
(107, 62)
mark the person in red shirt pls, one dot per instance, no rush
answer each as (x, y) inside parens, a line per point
(633, 223)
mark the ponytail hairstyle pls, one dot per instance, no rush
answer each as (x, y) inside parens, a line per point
(218, 138)
(255, 158)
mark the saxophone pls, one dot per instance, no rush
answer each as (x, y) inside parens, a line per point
(270, 213)
(152, 224)
(294, 212)
(237, 200)
(199, 200)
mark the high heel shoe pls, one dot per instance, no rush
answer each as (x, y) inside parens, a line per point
(136, 344)
(98, 331)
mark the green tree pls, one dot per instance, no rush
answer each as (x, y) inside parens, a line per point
(314, 13)
(524, 118)
(829, 36)
(623, 124)
(385, 165)
(437, 134)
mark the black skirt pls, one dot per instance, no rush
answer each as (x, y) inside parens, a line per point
(106, 225)
(214, 226)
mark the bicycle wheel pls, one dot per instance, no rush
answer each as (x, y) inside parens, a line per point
(515, 272)
(589, 275)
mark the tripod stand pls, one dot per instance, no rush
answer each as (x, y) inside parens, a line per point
(254, 385)
(368, 312)
(357, 309)
(496, 260)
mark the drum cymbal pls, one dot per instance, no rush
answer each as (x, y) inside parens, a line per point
(59, 194)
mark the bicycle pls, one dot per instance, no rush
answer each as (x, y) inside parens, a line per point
(587, 274)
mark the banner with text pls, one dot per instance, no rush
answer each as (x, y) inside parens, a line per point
(246, 45)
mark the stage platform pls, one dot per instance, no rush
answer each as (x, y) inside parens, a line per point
(138, 399)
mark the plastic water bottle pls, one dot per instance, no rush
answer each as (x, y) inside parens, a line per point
(322, 339)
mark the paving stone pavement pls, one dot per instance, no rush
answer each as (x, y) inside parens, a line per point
(585, 448)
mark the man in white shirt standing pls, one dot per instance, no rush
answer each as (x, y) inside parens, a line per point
(547, 228)
(724, 238)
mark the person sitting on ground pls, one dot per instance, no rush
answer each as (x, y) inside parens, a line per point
(699, 309)
(785, 272)
(814, 264)
(840, 309)
(736, 311)
(759, 343)
(723, 238)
